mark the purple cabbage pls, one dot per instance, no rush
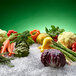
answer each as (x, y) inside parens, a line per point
(53, 57)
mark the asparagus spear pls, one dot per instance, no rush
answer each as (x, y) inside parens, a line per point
(67, 49)
(64, 52)
(63, 47)
(68, 60)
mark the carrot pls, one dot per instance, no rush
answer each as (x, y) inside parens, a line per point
(12, 46)
(11, 49)
(1, 50)
(6, 43)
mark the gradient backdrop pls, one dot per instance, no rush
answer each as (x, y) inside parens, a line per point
(21, 15)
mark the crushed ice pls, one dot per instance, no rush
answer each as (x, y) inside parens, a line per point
(32, 66)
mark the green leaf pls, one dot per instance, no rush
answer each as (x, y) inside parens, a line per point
(53, 31)
(46, 30)
(53, 27)
(1, 44)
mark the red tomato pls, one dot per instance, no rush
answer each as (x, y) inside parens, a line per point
(74, 45)
(73, 49)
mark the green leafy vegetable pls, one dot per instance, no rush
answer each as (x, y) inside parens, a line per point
(23, 40)
(19, 37)
(53, 31)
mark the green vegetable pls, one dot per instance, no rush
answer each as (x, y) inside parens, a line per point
(22, 49)
(54, 31)
(63, 50)
(67, 49)
(65, 53)
(6, 61)
(23, 40)
(1, 45)
(19, 37)
(68, 59)
(29, 41)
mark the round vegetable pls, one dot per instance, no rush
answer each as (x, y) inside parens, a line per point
(67, 39)
(41, 37)
(74, 47)
(3, 35)
(53, 57)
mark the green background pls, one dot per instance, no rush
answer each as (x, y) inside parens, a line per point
(21, 15)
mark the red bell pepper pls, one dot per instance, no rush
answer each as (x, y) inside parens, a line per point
(10, 32)
(34, 34)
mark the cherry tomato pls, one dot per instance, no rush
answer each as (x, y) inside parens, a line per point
(73, 49)
(74, 45)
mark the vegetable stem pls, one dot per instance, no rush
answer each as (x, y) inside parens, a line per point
(64, 48)
(68, 50)
(64, 52)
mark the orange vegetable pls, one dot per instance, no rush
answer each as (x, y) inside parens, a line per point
(11, 49)
(8, 46)
(34, 34)
(6, 43)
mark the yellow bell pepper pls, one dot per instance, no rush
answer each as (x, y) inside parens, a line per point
(46, 43)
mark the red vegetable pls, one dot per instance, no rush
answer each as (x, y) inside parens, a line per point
(10, 32)
(53, 57)
(55, 38)
(34, 34)
(74, 47)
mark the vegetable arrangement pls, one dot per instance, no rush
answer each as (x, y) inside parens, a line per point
(57, 47)
(69, 53)
(65, 42)
(16, 44)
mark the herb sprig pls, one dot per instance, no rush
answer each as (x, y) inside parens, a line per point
(54, 31)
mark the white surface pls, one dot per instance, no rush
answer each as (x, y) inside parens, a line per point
(32, 66)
